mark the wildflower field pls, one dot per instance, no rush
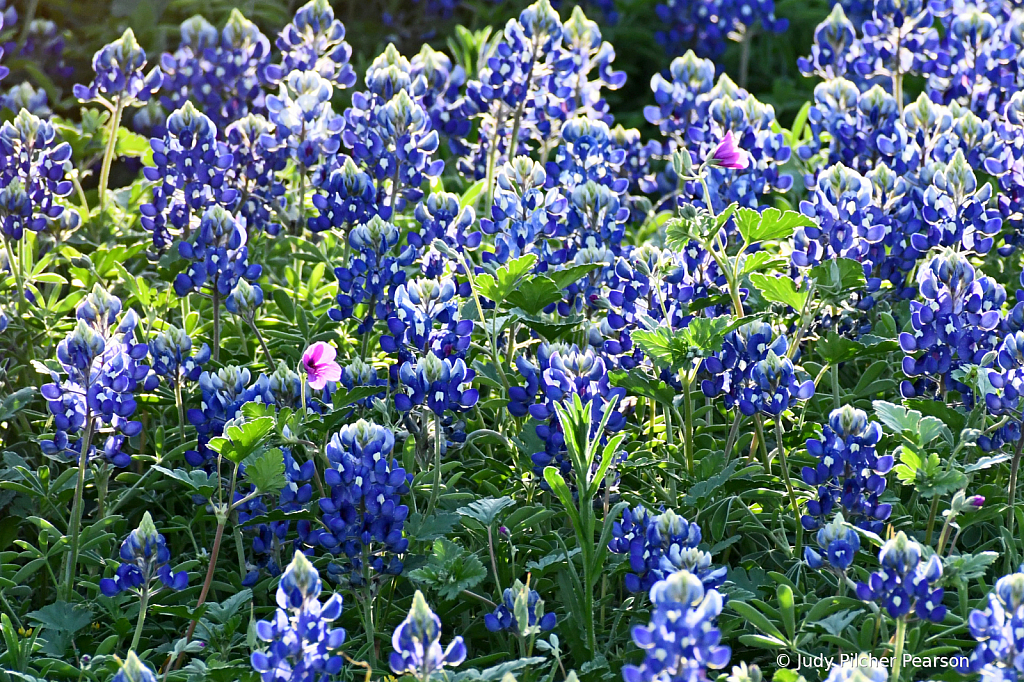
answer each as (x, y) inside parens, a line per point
(452, 349)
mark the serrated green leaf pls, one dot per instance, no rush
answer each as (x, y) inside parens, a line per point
(449, 570)
(487, 509)
(266, 471)
(780, 290)
(770, 225)
(498, 286)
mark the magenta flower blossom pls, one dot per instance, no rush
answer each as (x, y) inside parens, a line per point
(728, 155)
(319, 365)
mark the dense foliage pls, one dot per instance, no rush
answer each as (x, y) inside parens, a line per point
(316, 365)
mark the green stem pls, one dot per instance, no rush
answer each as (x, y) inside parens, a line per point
(1012, 489)
(263, 344)
(835, 386)
(75, 527)
(179, 402)
(435, 488)
(143, 605)
(367, 611)
(492, 160)
(789, 484)
(15, 266)
(931, 520)
(688, 426)
(108, 155)
(239, 548)
(897, 660)
(216, 324)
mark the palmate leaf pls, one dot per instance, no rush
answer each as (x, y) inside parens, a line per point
(449, 570)
(838, 278)
(780, 290)
(265, 470)
(241, 440)
(643, 386)
(486, 510)
(770, 225)
(498, 286)
(62, 616)
(911, 424)
(674, 348)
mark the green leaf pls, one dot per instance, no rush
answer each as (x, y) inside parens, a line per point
(760, 261)
(266, 471)
(498, 672)
(780, 290)
(641, 385)
(487, 509)
(535, 294)
(430, 528)
(498, 286)
(242, 439)
(15, 402)
(838, 278)
(62, 616)
(197, 480)
(449, 570)
(911, 424)
(569, 276)
(968, 567)
(770, 225)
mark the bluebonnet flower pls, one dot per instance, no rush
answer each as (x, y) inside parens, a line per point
(696, 116)
(303, 644)
(219, 255)
(522, 210)
(833, 40)
(245, 300)
(347, 196)
(394, 140)
(32, 167)
(897, 39)
(224, 392)
(134, 670)
(417, 644)
(307, 129)
(682, 641)
(100, 360)
(437, 84)
(562, 371)
(775, 388)
(504, 617)
(315, 41)
(360, 373)
(427, 318)
(705, 25)
(254, 172)
(582, 69)
(849, 472)
(173, 358)
(269, 538)
(838, 545)
(731, 369)
(146, 559)
(441, 216)
(999, 629)
(363, 514)
(374, 274)
(904, 582)
(119, 73)
(505, 94)
(221, 73)
(44, 46)
(955, 323)
(190, 167)
(659, 545)
(24, 96)
(442, 384)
